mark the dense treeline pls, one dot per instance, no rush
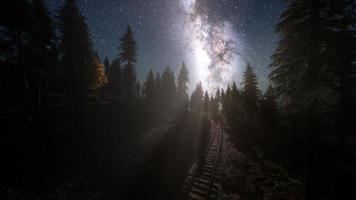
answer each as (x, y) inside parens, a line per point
(64, 113)
(40, 68)
(304, 120)
(313, 71)
(53, 79)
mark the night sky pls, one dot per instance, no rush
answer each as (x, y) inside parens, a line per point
(169, 32)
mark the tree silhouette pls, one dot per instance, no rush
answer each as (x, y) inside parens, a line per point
(157, 91)
(107, 64)
(310, 67)
(218, 95)
(168, 90)
(226, 101)
(115, 80)
(149, 89)
(127, 55)
(206, 104)
(196, 99)
(44, 39)
(76, 50)
(182, 87)
(28, 50)
(250, 93)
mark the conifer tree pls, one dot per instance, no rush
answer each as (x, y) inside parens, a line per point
(149, 89)
(222, 94)
(197, 99)
(157, 91)
(218, 95)
(250, 93)
(128, 58)
(17, 19)
(269, 110)
(107, 64)
(312, 65)
(27, 42)
(76, 50)
(226, 101)
(327, 30)
(115, 79)
(206, 103)
(45, 55)
(168, 89)
(182, 87)
(138, 90)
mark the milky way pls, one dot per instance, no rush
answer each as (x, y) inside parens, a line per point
(213, 47)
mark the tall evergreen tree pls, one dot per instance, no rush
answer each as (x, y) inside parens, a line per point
(218, 94)
(269, 110)
(182, 87)
(17, 20)
(157, 91)
(44, 39)
(250, 93)
(310, 67)
(299, 73)
(226, 101)
(206, 103)
(128, 58)
(115, 79)
(107, 64)
(168, 89)
(76, 50)
(27, 49)
(196, 99)
(138, 90)
(149, 89)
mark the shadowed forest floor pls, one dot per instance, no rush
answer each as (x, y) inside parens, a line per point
(150, 165)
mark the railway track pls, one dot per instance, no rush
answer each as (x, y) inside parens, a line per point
(202, 183)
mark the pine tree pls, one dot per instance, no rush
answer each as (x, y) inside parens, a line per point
(196, 99)
(127, 55)
(218, 95)
(269, 110)
(206, 103)
(115, 79)
(149, 89)
(234, 90)
(182, 87)
(222, 95)
(294, 77)
(226, 102)
(27, 34)
(27, 42)
(137, 90)
(310, 67)
(250, 93)
(107, 64)
(157, 91)
(168, 89)
(45, 56)
(76, 50)
(17, 19)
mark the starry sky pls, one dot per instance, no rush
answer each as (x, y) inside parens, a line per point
(163, 38)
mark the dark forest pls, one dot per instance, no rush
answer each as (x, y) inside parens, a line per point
(79, 124)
